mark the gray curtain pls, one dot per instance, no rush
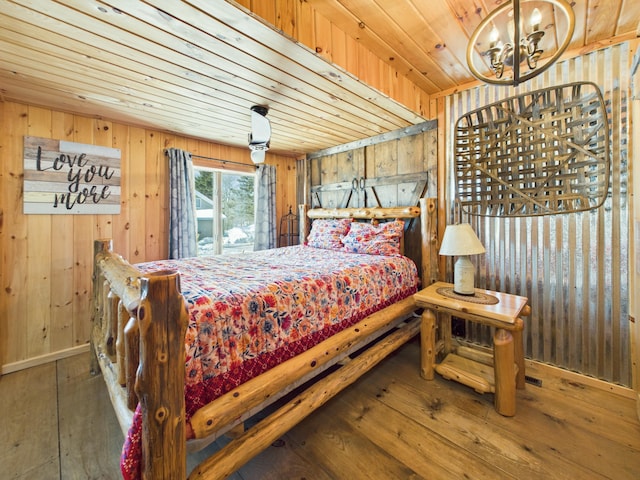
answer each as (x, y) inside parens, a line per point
(265, 211)
(182, 205)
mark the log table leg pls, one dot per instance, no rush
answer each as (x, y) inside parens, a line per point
(518, 352)
(505, 380)
(427, 344)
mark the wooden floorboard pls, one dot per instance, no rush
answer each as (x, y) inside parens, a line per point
(84, 412)
(29, 424)
(485, 444)
(341, 449)
(391, 424)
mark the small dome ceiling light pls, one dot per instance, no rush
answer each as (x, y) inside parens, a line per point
(260, 135)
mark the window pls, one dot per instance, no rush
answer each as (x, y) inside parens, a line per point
(225, 211)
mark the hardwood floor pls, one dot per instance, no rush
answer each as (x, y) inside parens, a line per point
(57, 423)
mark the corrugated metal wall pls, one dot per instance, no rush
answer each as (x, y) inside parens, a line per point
(572, 267)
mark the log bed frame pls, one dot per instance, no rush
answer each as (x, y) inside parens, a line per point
(139, 324)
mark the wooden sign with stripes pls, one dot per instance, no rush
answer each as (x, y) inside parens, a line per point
(65, 177)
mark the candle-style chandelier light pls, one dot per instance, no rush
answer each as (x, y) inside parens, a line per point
(511, 39)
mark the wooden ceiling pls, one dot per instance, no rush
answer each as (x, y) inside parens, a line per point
(196, 67)
(427, 39)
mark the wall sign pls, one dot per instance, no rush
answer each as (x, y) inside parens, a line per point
(67, 177)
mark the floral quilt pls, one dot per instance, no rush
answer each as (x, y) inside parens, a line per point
(252, 311)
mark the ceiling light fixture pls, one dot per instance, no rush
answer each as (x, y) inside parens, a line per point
(498, 34)
(260, 135)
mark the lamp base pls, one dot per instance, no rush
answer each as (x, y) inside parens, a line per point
(463, 275)
(464, 294)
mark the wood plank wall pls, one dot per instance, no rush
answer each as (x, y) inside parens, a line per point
(394, 171)
(47, 259)
(298, 19)
(391, 170)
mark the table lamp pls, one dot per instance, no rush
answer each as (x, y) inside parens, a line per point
(461, 241)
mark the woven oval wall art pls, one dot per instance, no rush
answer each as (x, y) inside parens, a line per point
(539, 153)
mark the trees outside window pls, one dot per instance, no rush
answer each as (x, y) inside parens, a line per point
(225, 211)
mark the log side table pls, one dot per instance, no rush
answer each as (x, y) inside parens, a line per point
(501, 374)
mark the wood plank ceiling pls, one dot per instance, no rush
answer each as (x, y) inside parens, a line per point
(195, 67)
(426, 40)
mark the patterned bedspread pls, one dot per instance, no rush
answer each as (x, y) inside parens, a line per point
(252, 311)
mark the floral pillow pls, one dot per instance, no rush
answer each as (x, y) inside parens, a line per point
(381, 239)
(328, 234)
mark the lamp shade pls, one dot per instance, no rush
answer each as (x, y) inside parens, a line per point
(460, 239)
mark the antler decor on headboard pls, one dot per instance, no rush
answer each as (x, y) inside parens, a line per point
(539, 153)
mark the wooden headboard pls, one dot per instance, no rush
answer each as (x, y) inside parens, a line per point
(423, 251)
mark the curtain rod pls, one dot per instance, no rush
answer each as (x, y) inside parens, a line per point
(166, 152)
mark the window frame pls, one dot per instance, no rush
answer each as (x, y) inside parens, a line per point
(217, 226)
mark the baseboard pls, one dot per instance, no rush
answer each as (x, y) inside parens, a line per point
(554, 371)
(558, 372)
(42, 359)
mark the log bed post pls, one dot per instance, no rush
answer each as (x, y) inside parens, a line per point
(429, 324)
(99, 247)
(162, 321)
(429, 239)
(303, 227)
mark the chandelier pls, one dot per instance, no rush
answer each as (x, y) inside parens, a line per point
(510, 40)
